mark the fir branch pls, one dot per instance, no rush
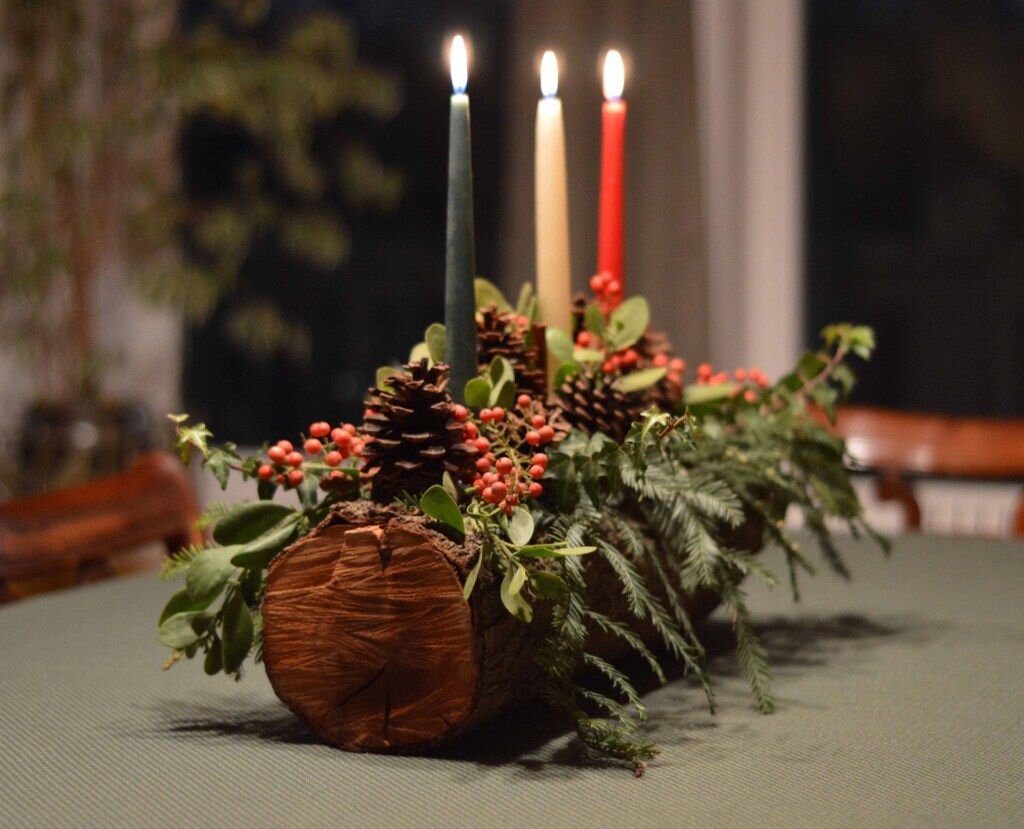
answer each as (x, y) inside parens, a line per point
(177, 563)
(752, 657)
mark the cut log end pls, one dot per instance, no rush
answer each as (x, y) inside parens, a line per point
(367, 636)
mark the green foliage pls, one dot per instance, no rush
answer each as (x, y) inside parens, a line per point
(439, 505)
(679, 508)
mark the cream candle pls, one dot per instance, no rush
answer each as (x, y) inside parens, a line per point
(554, 286)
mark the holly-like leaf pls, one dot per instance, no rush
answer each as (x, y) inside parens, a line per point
(440, 506)
(435, 339)
(220, 461)
(520, 527)
(478, 392)
(249, 521)
(637, 380)
(512, 595)
(488, 294)
(190, 437)
(237, 632)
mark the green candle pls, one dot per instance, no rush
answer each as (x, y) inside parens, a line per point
(460, 262)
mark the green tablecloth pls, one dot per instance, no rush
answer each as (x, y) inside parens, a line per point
(900, 703)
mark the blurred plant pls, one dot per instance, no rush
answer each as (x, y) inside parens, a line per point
(93, 95)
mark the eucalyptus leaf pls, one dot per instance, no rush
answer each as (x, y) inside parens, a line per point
(237, 632)
(694, 395)
(488, 294)
(435, 340)
(450, 486)
(260, 551)
(180, 630)
(526, 304)
(520, 527)
(503, 395)
(209, 571)
(511, 593)
(418, 352)
(546, 551)
(214, 661)
(637, 380)
(249, 521)
(474, 574)
(182, 602)
(593, 319)
(478, 392)
(440, 506)
(564, 372)
(547, 585)
(560, 345)
(587, 355)
(628, 323)
(499, 371)
(383, 373)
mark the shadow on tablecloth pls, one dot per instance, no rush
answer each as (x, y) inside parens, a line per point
(794, 644)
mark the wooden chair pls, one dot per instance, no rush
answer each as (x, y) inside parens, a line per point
(74, 535)
(901, 445)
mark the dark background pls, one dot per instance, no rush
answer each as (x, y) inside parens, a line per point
(375, 307)
(915, 195)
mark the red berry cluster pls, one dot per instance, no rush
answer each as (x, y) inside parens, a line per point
(506, 472)
(607, 289)
(326, 445)
(748, 380)
(675, 365)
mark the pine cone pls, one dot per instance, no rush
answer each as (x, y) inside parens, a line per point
(415, 437)
(589, 402)
(501, 335)
(664, 394)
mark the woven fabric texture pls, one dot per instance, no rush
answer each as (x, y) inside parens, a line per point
(900, 703)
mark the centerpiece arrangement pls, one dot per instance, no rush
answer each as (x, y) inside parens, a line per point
(538, 492)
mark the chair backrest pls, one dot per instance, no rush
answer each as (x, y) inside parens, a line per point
(899, 445)
(75, 530)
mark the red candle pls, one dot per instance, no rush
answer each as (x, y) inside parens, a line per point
(610, 213)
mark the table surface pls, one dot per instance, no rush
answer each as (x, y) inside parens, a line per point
(899, 704)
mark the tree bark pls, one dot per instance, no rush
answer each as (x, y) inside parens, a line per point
(367, 636)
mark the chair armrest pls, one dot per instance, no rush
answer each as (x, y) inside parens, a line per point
(151, 501)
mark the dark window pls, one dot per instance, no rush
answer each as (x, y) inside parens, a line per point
(915, 207)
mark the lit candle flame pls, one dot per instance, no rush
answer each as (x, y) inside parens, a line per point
(549, 75)
(460, 70)
(614, 75)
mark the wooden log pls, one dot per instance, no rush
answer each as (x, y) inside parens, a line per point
(367, 636)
